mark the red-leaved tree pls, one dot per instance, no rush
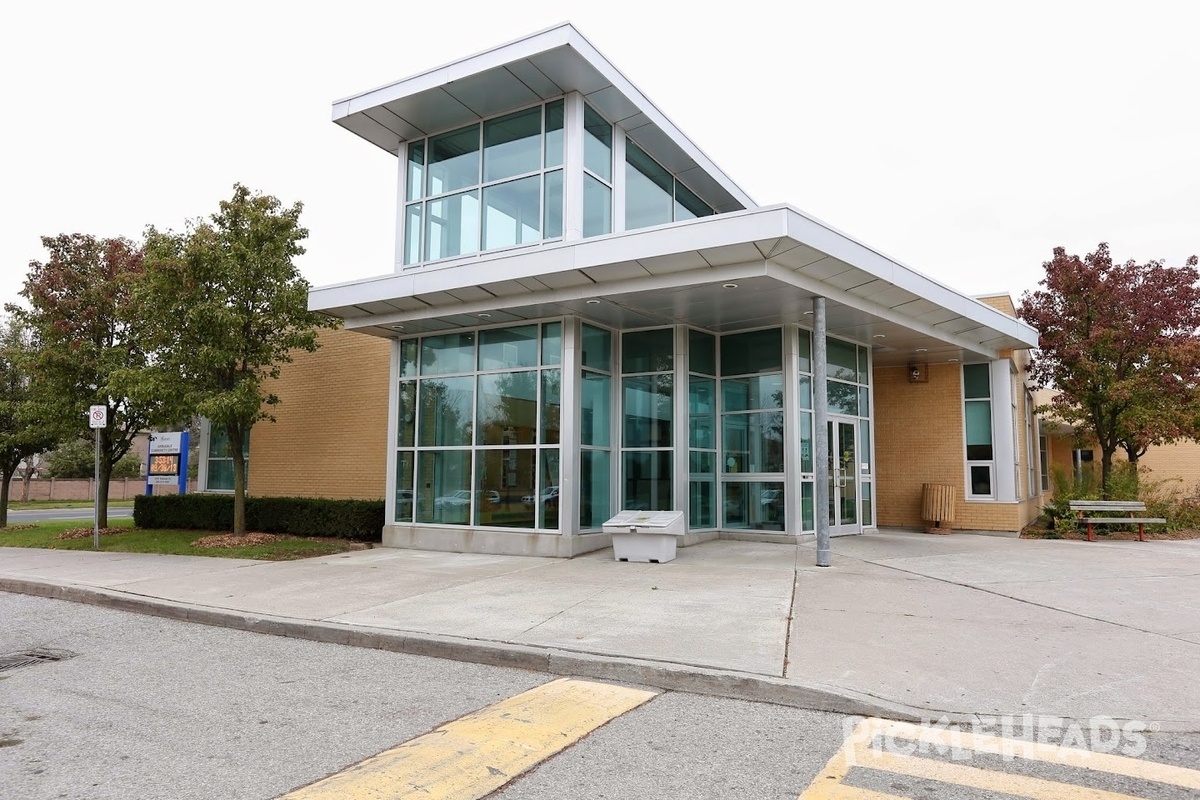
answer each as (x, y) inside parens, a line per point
(1120, 345)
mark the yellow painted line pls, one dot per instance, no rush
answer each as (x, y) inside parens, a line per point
(989, 780)
(858, 752)
(1035, 751)
(477, 754)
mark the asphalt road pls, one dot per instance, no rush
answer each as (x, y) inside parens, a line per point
(155, 708)
(19, 516)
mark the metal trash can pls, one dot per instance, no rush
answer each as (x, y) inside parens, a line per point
(647, 536)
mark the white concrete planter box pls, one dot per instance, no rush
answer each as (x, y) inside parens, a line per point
(646, 536)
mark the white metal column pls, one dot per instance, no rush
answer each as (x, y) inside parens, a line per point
(791, 431)
(680, 437)
(820, 433)
(573, 166)
(393, 436)
(1002, 431)
(570, 416)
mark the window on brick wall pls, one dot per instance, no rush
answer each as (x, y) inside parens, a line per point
(977, 416)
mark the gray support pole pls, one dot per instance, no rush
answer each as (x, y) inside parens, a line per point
(96, 499)
(820, 434)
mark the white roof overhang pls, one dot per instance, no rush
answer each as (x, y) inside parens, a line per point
(779, 258)
(535, 68)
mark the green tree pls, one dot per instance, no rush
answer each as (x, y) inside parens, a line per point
(22, 431)
(1120, 344)
(76, 459)
(223, 306)
(79, 304)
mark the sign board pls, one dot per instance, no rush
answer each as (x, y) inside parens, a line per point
(98, 417)
(165, 443)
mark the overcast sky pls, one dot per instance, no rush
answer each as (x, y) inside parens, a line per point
(966, 140)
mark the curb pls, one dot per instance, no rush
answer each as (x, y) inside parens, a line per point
(662, 675)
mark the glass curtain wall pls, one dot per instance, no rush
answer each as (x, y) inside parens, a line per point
(647, 391)
(653, 196)
(485, 186)
(595, 429)
(597, 174)
(977, 410)
(752, 456)
(849, 394)
(702, 430)
(478, 428)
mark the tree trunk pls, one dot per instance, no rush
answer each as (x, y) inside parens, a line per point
(5, 482)
(1106, 462)
(102, 490)
(236, 443)
(26, 478)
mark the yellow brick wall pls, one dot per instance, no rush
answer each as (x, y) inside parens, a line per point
(919, 440)
(330, 434)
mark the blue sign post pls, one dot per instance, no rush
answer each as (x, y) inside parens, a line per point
(168, 461)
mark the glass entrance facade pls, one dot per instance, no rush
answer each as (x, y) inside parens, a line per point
(666, 418)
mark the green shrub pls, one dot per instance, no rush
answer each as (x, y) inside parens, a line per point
(357, 520)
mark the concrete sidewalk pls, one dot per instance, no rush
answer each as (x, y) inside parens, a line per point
(904, 625)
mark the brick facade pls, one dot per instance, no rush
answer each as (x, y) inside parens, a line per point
(330, 434)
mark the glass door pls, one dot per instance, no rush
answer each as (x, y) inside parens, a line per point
(843, 476)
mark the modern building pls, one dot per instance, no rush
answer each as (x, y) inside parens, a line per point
(585, 315)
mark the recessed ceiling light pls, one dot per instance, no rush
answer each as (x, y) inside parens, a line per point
(397, 327)
(485, 315)
(808, 313)
(922, 350)
(879, 336)
(953, 360)
(593, 302)
(728, 285)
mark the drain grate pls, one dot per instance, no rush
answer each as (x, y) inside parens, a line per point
(30, 657)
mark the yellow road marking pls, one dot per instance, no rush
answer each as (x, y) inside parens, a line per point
(477, 754)
(857, 751)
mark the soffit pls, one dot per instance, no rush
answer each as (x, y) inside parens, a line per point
(678, 274)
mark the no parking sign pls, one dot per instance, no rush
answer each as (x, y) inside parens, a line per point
(98, 417)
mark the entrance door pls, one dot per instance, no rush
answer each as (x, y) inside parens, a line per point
(843, 476)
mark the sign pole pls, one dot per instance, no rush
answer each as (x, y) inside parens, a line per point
(96, 499)
(97, 420)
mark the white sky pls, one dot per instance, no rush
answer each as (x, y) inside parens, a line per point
(966, 140)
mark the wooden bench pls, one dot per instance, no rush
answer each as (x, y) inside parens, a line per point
(1128, 507)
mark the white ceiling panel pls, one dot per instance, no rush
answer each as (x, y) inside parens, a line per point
(505, 288)
(733, 254)
(616, 272)
(676, 262)
(849, 279)
(436, 110)
(468, 294)
(824, 269)
(566, 280)
(491, 93)
(438, 298)
(526, 72)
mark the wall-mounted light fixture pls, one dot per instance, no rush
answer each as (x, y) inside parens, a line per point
(918, 372)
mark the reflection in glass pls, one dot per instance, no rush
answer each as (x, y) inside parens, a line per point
(597, 207)
(842, 359)
(595, 401)
(702, 413)
(553, 205)
(648, 411)
(506, 348)
(754, 505)
(408, 358)
(512, 144)
(753, 442)
(406, 430)
(552, 343)
(554, 133)
(648, 190)
(548, 480)
(442, 355)
(508, 408)
(412, 234)
(702, 503)
(843, 397)
(648, 351)
(453, 160)
(597, 144)
(452, 226)
(805, 351)
(504, 479)
(979, 430)
(647, 480)
(597, 348)
(414, 182)
(551, 406)
(747, 394)
(512, 213)
(688, 205)
(806, 443)
(755, 351)
(404, 484)
(702, 352)
(867, 519)
(593, 488)
(444, 486)
(446, 411)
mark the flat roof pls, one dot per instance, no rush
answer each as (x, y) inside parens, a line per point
(532, 69)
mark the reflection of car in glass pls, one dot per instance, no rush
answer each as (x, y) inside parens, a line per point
(549, 494)
(404, 502)
(772, 498)
(462, 499)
